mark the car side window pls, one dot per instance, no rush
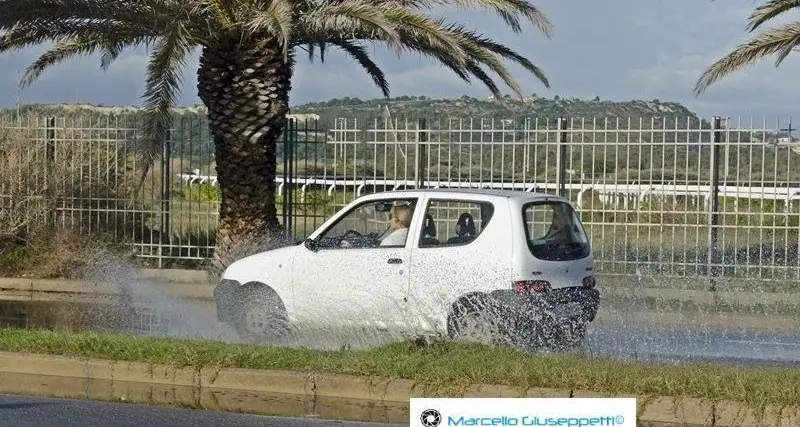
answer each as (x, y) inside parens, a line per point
(372, 224)
(454, 222)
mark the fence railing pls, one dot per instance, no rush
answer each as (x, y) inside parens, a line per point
(713, 200)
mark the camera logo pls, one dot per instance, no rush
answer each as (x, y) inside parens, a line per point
(430, 418)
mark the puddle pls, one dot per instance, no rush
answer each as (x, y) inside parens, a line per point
(71, 316)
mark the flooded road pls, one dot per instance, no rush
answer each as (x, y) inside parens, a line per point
(683, 338)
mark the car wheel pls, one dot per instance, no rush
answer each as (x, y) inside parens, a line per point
(477, 322)
(262, 317)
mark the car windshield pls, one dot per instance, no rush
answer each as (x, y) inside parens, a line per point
(554, 231)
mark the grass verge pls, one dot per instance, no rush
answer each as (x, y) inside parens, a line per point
(446, 367)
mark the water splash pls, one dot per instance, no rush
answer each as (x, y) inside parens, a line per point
(141, 298)
(631, 328)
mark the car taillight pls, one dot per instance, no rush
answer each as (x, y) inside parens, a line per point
(589, 282)
(528, 286)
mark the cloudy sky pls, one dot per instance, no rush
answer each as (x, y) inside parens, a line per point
(615, 49)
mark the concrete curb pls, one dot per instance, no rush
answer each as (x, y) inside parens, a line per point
(212, 388)
(12, 288)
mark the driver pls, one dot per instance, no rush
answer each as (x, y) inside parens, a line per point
(399, 221)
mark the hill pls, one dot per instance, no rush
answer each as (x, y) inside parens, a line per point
(414, 107)
(628, 140)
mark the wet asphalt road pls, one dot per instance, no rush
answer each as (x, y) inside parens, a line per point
(642, 341)
(688, 346)
(23, 411)
(645, 343)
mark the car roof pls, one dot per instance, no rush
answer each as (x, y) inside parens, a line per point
(511, 194)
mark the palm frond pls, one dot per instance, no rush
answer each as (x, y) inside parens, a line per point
(164, 75)
(483, 51)
(109, 55)
(462, 51)
(478, 72)
(481, 55)
(509, 10)
(360, 54)
(311, 49)
(224, 11)
(66, 49)
(141, 12)
(507, 53)
(383, 23)
(780, 41)
(37, 32)
(277, 19)
(353, 17)
(769, 10)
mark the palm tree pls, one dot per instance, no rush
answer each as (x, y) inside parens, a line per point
(781, 41)
(245, 74)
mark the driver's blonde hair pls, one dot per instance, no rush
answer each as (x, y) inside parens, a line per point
(403, 214)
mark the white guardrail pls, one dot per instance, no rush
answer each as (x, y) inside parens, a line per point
(609, 194)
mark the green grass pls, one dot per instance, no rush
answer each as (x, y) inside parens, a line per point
(446, 368)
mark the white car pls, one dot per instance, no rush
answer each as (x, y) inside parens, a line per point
(517, 263)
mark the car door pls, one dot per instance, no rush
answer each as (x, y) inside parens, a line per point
(339, 280)
(455, 256)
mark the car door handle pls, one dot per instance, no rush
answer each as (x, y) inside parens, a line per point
(395, 261)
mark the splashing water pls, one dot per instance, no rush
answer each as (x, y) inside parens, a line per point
(141, 299)
(632, 329)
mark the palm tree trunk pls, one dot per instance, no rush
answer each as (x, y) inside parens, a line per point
(246, 90)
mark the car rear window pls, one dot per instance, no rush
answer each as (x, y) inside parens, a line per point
(554, 232)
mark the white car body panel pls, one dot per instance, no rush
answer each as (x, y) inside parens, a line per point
(352, 287)
(440, 275)
(273, 268)
(359, 286)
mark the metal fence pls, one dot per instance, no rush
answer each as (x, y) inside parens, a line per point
(670, 197)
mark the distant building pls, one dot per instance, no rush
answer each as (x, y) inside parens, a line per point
(304, 116)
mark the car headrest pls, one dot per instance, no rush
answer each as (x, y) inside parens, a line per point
(465, 225)
(429, 227)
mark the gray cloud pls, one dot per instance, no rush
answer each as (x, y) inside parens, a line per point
(615, 49)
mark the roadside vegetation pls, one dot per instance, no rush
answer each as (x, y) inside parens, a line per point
(47, 229)
(447, 368)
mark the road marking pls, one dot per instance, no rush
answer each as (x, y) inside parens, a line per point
(788, 344)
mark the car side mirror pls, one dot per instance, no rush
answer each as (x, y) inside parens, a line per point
(311, 245)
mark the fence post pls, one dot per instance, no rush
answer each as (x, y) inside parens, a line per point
(166, 196)
(561, 156)
(51, 139)
(50, 156)
(713, 205)
(419, 159)
(289, 187)
(289, 130)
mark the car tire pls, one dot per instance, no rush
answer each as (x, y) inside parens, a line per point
(477, 320)
(261, 318)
